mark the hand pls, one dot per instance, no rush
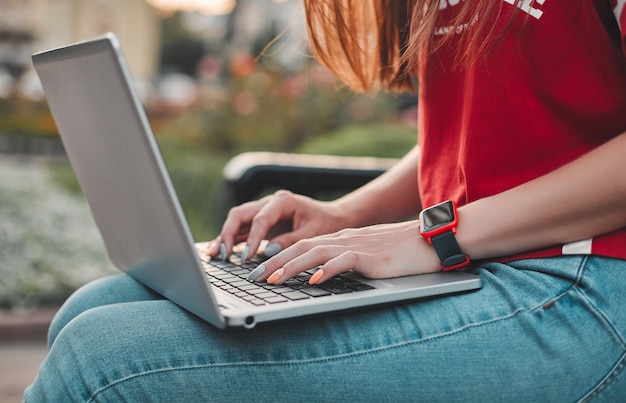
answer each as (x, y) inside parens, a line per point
(283, 218)
(378, 251)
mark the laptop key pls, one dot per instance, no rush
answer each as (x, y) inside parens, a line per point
(294, 284)
(250, 298)
(242, 273)
(258, 292)
(276, 299)
(315, 292)
(249, 286)
(240, 283)
(264, 295)
(280, 290)
(295, 295)
(221, 264)
(226, 277)
(335, 289)
(218, 283)
(357, 286)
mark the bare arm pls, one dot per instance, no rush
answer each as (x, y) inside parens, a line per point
(582, 199)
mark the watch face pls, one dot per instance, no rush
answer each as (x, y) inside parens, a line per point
(437, 216)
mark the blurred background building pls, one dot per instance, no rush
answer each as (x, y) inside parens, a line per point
(196, 28)
(28, 26)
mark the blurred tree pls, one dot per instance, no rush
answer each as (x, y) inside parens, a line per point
(181, 49)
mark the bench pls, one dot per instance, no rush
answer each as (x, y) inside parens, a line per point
(250, 175)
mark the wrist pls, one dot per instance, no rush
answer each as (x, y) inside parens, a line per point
(350, 212)
(343, 213)
(438, 225)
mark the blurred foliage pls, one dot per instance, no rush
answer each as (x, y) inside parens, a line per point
(25, 118)
(197, 178)
(266, 110)
(377, 140)
(49, 244)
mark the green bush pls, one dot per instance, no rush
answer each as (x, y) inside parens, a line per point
(26, 118)
(377, 140)
(50, 245)
(197, 179)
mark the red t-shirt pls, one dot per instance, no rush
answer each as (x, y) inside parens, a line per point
(553, 89)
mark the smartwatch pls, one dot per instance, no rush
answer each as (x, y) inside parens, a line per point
(438, 225)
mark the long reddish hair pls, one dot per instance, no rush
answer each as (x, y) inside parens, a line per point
(378, 43)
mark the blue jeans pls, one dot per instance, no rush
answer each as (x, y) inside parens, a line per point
(539, 330)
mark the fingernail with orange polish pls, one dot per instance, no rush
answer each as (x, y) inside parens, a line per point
(316, 277)
(275, 276)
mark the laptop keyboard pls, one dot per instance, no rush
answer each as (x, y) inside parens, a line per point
(231, 276)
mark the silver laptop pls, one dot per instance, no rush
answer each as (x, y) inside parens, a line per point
(117, 161)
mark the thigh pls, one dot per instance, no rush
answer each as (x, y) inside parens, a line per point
(528, 335)
(602, 291)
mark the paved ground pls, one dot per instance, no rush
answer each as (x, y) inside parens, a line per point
(18, 367)
(22, 349)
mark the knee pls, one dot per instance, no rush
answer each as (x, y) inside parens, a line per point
(104, 345)
(109, 290)
(73, 369)
(80, 301)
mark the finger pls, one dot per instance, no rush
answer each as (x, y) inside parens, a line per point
(281, 227)
(346, 261)
(217, 249)
(237, 225)
(287, 239)
(275, 216)
(300, 257)
(213, 247)
(274, 263)
(322, 247)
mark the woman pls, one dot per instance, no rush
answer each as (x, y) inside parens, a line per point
(522, 121)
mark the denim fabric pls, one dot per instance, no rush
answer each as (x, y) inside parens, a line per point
(539, 330)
